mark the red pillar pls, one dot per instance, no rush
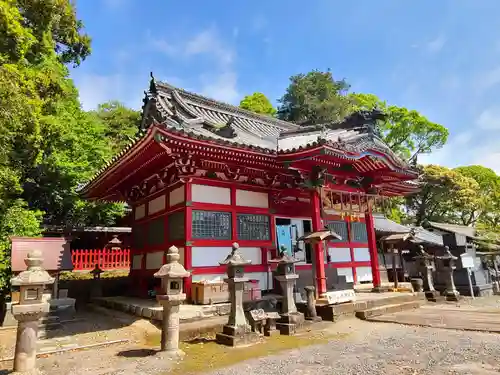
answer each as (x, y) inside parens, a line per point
(372, 246)
(188, 265)
(319, 258)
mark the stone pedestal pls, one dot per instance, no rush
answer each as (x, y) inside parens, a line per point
(170, 326)
(28, 312)
(290, 319)
(311, 313)
(237, 331)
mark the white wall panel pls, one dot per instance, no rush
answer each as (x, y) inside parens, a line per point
(251, 199)
(211, 194)
(156, 205)
(211, 256)
(137, 262)
(140, 212)
(364, 274)
(176, 196)
(339, 254)
(362, 254)
(347, 272)
(154, 260)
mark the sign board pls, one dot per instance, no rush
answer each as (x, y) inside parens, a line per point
(340, 296)
(467, 261)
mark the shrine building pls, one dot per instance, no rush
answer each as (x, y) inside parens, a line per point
(203, 174)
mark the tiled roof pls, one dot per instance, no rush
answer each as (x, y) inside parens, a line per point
(385, 225)
(454, 228)
(201, 117)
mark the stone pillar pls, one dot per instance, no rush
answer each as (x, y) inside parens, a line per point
(172, 275)
(30, 309)
(96, 288)
(290, 319)
(237, 331)
(496, 285)
(311, 313)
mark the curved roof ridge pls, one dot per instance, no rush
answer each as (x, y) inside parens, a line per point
(230, 108)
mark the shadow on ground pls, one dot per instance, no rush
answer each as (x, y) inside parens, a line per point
(137, 353)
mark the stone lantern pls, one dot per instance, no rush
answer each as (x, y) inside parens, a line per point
(172, 276)
(237, 331)
(425, 265)
(30, 309)
(448, 266)
(96, 290)
(290, 319)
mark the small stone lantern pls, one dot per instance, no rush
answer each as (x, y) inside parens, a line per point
(290, 319)
(96, 290)
(425, 265)
(172, 277)
(237, 331)
(30, 309)
(448, 266)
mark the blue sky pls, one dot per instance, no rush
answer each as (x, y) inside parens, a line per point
(441, 58)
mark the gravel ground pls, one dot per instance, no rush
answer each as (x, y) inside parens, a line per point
(379, 348)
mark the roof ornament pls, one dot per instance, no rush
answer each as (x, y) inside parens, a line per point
(152, 84)
(223, 130)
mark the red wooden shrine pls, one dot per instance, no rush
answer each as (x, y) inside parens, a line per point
(203, 174)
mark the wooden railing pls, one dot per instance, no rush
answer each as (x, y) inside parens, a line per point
(106, 259)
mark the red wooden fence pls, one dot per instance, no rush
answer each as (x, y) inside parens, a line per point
(107, 259)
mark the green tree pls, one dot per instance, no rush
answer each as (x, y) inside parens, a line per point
(405, 131)
(259, 103)
(314, 98)
(120, 123)
(443, 196)
(487, 208)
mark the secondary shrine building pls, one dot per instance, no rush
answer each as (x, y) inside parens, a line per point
(203, 174)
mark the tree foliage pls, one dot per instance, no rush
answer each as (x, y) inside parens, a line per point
(314, 98)
(48, 144)
(444, 195)
(406, 132)
(259, 103)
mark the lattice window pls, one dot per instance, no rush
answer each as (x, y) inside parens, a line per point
(156, 232)
(211, 225)
(138, 239)
(358, 232)
(253, 227)
(176, 226)
(339, 227)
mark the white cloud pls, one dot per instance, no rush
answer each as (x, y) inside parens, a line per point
(222, 87)
(489, 119)
(487, 79)
(436, 45)
(490, 160)
(207, 42)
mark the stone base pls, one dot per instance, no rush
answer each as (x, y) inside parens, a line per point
(231, 337)
(170, 354)
(288, 324)
(450, 296)
(496, 288)
(314, 319)
(380, 289)
(432, 295)
(271, 333)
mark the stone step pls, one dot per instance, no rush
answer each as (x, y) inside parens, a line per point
(387, 309)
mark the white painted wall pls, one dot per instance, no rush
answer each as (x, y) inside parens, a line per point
(261, 276)
(339, 254)
(364, 274)
(137, 262)
(251, 199)
(347, 272)
(176, 196)
(154, 260)
(156, 205)
(361, 254)
(211, 194)
(211, 256)
(140, 212)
